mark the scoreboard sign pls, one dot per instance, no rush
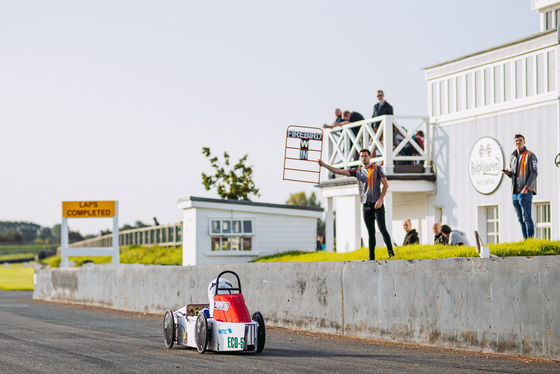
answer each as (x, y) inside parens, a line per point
(304, 147)
(88, 209)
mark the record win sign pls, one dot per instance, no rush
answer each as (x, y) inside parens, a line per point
(304, 147)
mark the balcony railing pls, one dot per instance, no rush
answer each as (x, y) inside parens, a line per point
(344, 143)
(165, 236)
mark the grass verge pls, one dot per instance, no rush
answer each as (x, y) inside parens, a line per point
(16, 277)
(531, 247)
(134, 254)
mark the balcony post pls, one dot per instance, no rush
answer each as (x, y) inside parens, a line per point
(387, 124)
(329, 226)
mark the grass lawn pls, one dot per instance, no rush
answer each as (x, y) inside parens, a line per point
(16, 277)
(531, 247)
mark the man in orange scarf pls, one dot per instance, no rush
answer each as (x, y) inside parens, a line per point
(523, 172)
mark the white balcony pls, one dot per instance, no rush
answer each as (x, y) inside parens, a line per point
(344, 142)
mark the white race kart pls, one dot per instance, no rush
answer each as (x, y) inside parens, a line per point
(227, 326)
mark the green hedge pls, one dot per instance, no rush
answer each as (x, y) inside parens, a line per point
(134, 254)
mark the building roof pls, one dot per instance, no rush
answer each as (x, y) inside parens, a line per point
(528, 38)
(251, 203)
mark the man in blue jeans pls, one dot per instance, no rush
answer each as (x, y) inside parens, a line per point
(523, 173)
(370, 177)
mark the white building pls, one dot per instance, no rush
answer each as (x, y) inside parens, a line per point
(476, 104)
(217, 231)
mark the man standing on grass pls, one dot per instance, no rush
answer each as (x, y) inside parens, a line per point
(523, 173)
(370, 178)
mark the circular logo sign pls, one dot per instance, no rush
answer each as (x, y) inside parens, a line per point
(485, 165)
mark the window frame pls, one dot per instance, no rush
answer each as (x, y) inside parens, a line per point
(541, 226)
(231, 236)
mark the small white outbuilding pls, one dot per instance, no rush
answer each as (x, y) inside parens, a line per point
(217, 231)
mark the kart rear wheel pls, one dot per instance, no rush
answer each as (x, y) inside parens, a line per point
(201, 333)
(261, 331)
(168, 328)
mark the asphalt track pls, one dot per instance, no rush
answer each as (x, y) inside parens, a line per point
(41, 337)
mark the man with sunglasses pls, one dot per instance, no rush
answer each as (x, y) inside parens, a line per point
(381, 108)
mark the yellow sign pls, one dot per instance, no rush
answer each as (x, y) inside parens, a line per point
(88, 209)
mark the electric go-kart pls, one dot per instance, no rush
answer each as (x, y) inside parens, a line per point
(224, 325)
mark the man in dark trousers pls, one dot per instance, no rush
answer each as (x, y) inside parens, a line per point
(523, 173)
(370, 177)
(381, 108)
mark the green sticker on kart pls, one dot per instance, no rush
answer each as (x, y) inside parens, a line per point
(234, 342)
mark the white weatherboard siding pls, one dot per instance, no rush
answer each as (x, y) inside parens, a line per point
(507, 90)
(456, 194)
(349, 209)
(411, 206)
(276, 228)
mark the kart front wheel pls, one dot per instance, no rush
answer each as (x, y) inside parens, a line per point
(261, 331)
(201, 333)
(168, 328)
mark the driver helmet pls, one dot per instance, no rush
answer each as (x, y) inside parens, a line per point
(224, 283)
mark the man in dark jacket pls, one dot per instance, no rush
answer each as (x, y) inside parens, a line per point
(381, 108)
(411, 234)
(523, 173)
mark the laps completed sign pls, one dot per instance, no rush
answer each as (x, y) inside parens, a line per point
(88, 209)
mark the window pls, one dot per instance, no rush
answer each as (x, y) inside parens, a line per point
(507, 81)
(478, 89)
(519, 93)
(543, 226)
(460, 96)
(434, 99)
(469, 91)
(492, 225)
(442, 97)
(231, 234)
(551, 70)
(540, 74)
(498, 84)
(488, 86)
(548, 22)
(451, 101)
(530, 72)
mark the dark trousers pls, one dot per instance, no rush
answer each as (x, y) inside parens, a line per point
(370, 216)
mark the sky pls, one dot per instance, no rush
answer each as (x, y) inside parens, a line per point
(114, 99)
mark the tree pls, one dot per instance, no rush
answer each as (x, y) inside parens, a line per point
(46, 235)
(300, 198)
(235, 184)
(75, 236)
(12, 237)
(28, 230)
(140, 224)
(56, 231)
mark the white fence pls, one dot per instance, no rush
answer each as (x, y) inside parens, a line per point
(344, 143)
(165, 236)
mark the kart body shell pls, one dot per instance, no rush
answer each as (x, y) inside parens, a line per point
(231, 328)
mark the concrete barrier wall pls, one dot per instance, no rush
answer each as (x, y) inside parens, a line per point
(507, 305)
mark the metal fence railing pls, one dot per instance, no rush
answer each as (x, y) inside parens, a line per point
(344, 143)
(165, 236)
